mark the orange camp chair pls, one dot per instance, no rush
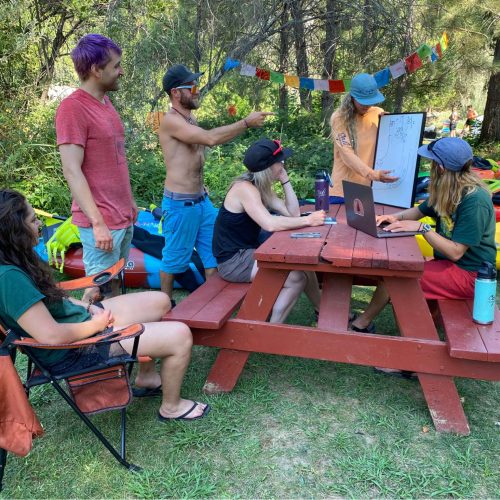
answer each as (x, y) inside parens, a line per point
(102, 387)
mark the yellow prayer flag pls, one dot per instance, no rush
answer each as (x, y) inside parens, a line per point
(292, 81)
(444, 41)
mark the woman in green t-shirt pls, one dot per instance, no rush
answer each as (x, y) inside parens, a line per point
(31, 303)
(465, 228)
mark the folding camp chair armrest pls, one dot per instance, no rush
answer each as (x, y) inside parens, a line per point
(128, 332)
(95, 280)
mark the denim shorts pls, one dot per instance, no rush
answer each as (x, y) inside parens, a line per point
(187, 225)
(96, 260)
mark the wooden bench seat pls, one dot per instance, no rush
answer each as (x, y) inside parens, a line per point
(211, 305)
(466, 339)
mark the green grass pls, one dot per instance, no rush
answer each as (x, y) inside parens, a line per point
(291, 428)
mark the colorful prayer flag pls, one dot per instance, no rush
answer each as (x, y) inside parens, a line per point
(444, 41)
(439, 51)
(434, 55)
(321, 85)
(347, 85)
(382, 77)
(263, 74)
(336, 86)
(292, 81)
(413, 62)
(277, 77)
(247, 70)
(306, 83)
(230, 64)
(398, 69)
(424, 51)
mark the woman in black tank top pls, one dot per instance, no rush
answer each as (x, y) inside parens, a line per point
(246, 211)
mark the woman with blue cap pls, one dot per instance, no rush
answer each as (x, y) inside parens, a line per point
(465, 227)
(354, 134)
(247, 209)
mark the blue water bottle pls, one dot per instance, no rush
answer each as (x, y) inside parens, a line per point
(485, 291)
(321, 194)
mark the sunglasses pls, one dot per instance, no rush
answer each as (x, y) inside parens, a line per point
(430, 147)
(194, 88)
(280, 147)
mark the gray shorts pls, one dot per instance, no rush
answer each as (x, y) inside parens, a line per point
(238, 269)
(96, 260)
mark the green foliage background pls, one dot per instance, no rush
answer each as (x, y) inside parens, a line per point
(36, 37)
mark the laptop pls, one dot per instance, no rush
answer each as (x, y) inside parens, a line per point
(360, 211)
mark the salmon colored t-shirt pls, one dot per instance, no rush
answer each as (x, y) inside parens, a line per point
(348, 165)
(83, 120)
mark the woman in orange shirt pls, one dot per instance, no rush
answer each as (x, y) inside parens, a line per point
(354, 134)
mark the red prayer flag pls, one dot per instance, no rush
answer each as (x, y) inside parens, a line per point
(438, 50)
(263, 74)
(413, 62)
(336, 86)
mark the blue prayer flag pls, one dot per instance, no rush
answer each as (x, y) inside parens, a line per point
(382, 77)
(230, 64)
(307, 83)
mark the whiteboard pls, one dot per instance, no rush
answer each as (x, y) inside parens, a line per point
(398, 138)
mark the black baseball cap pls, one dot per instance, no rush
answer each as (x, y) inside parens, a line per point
(264, 153)
(178, 75)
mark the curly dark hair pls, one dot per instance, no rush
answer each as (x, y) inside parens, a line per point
(16, 244)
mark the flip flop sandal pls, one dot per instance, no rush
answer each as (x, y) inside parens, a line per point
(368, 329)
(146, 392)
(396, 373)
(207, 409)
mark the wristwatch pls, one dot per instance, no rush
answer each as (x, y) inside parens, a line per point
(425, 228)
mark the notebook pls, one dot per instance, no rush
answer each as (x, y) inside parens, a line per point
(360, 212)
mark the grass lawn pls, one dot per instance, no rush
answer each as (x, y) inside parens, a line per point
(291, 428)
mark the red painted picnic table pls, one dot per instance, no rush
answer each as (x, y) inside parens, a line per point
(343, 255)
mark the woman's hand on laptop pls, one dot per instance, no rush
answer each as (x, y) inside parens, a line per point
(396, 225)
(385, 219)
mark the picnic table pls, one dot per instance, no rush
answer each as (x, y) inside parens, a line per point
(345, 256)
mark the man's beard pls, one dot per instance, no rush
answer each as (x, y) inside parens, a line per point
(188, 102)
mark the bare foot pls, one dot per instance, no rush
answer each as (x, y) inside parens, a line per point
(185, 410)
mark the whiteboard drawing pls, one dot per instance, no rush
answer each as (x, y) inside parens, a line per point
(399, 136)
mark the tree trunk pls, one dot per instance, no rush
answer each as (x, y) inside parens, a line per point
(197, 31)
(407, 44)
(283, 59)
(490, 130)
(300, 49)
(329, 49)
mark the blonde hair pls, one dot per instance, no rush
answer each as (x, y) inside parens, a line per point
(347, 114)
(448, 188)
(262, 180)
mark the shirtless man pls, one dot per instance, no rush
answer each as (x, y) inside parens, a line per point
(188, 213)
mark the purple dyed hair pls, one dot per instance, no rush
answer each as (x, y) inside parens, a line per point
(92, 49)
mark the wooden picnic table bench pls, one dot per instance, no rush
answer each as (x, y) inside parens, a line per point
(343, 255)
(466, 339)
(210, 305)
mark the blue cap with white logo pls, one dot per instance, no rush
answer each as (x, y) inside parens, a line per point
(364, 89)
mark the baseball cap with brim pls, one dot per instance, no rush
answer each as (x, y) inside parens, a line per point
(178, 75)
(364, 89)
(450, 152)
(264, 153)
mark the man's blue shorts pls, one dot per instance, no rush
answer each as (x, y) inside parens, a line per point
(187, 225)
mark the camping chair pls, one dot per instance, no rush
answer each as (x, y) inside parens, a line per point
(102, 387)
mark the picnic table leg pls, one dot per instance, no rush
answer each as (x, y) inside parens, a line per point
(335, 302)
(440, 392)
(257, 305)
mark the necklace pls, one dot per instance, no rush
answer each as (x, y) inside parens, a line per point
(189, 119)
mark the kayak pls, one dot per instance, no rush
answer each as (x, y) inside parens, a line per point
(142, 269)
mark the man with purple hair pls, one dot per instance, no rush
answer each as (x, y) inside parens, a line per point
(91, 141)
